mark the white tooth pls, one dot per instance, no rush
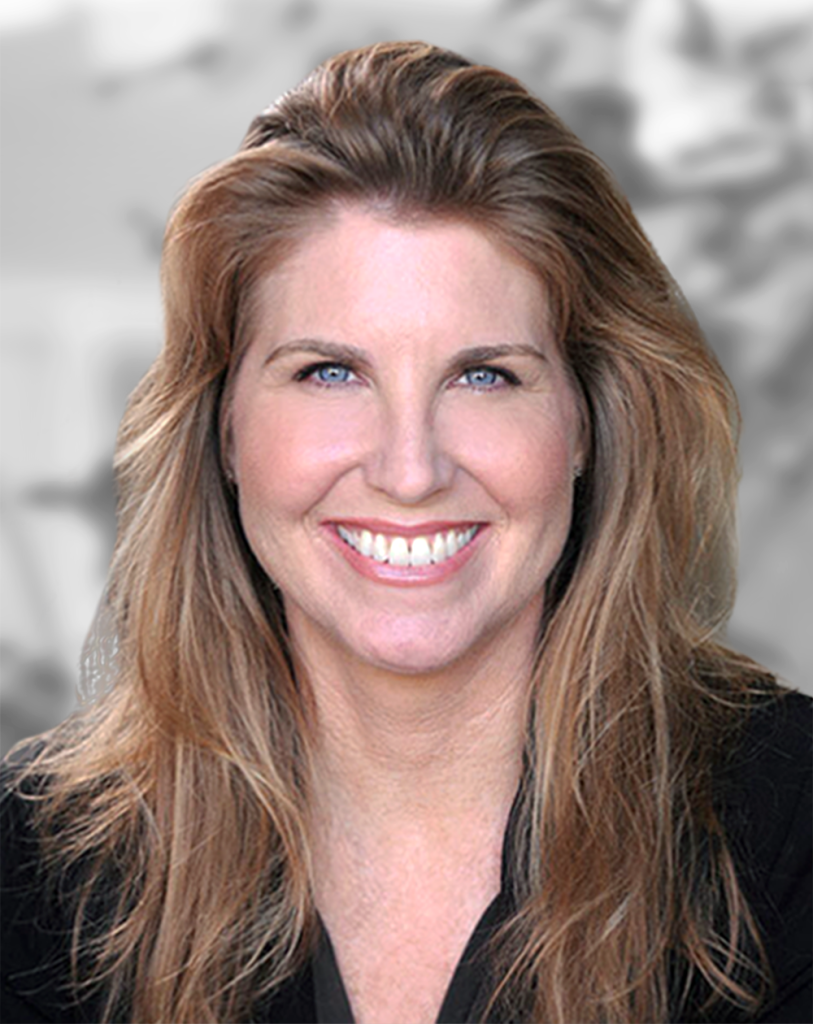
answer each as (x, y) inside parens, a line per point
(345, 534)
(399, 551)
(365, 544)
(421, 553)
(380, 548)
(439, 548)
(451, 543)
(464, 536)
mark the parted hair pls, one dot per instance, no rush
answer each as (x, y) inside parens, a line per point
(181, 790)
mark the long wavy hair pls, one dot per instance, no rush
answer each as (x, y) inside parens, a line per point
(183, 787)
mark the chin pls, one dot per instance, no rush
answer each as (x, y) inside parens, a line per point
(413, 651)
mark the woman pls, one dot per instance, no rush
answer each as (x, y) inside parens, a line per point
(411, 700)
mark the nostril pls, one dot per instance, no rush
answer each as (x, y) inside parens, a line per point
(408, 463)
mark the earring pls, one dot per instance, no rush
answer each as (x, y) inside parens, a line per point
(577, 472)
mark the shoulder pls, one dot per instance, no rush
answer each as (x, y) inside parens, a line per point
(36, 926)
(764, 784)
(765, 793)
(37, 912)
(22, 866)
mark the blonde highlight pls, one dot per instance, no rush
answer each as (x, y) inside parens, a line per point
(203, 738)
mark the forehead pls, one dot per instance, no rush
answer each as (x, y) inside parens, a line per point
(364, 273)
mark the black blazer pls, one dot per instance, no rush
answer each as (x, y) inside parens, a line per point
(765, 799)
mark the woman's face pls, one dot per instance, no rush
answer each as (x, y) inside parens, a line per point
(403, 434)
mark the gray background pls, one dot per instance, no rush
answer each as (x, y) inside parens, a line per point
(702, 108)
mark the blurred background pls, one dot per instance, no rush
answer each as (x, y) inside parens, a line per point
(703, 109)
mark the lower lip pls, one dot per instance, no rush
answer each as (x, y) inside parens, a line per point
(406, 575)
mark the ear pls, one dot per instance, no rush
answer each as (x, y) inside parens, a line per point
(581, 450)
(226, 439)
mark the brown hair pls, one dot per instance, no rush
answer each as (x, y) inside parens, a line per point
(189, 775)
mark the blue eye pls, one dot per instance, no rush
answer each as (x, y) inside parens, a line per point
(333, 373)
(482, 378)
(326, 374)
(488, 378)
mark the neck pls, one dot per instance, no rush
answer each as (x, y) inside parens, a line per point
(418, 751)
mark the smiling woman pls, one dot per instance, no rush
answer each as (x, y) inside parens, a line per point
(411, 460)
(412, 702)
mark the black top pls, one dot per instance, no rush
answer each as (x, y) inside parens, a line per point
(766, 805)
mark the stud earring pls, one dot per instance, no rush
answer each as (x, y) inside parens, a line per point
(577, 472)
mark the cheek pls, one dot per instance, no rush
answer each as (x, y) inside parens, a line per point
(286, 458)
(524, 459)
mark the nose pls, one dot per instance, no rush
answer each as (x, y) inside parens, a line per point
(408, 461)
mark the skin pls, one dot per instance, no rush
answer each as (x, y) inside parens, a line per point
(420, 682)
(402, 440)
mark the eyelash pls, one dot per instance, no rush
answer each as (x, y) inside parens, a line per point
(309, 373)
(508, 379)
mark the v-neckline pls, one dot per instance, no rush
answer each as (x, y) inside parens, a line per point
(465, 995)
(468, 990)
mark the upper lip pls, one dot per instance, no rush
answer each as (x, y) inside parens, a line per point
(406, 530)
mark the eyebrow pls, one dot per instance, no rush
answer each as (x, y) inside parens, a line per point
(326, 349)
(352, 354)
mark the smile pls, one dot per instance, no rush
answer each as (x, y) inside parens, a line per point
(431, 549)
